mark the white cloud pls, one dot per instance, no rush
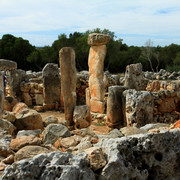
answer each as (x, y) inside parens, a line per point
(147, 18)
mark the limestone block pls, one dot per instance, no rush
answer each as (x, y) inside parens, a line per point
(22, 141)
(114, 106)
(19, 107)
(28, 119)
(27, 99)
(39, 99)
(50, 120)
(35, 132)
(82, 116)
(7, 126)
(88, 97)
(138, 107)
(5, 146)
(134, 76)
(97, 39)
(53, 131)
(68, 81)
(1, 102)
(7, 65)
(51, 83)
(29, 152)
(97, 106)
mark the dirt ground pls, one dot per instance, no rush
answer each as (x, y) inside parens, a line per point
(97, 126)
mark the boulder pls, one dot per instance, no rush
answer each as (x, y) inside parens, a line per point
(10, 116)
(53, 131)
(50, 120)
(54, 165)
(29, 152)
(7, 126)
(82, 116)
(22, 141)
(19, 107)
(154, 126)
(5, 146)
(35, 132)
(28, 119)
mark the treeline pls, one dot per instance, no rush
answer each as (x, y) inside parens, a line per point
(119, 55)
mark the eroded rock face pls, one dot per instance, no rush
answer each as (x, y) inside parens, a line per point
(68, 82)
(51, 83)
(7, 65)
(7, 126)
(5, 146)
(138, 107)
(134, 77)
(149, 156)
(54, 165)
(53, 131)
(82, 116)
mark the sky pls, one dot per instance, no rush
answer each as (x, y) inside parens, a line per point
(134, 21)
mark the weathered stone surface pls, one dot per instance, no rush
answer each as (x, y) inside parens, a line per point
(27, 99)
(88, 97)
(96, 74)
(54, 165)
(7, 126)
(84, 144)
(53, 131)
(10, 116)
(68, 81)
(19, 107)
(97, 39)
(28, 119)
(138, 107)
(22, 141)
(39, 99)
(16, 77)
(5, 146)
(127, 131)
(82, 116)
(168, 105)
(50, 120)
(51, 83)
(114, 106)
(96, 158)
(149, 156)
(9, 159)
(7, 65)
(85, 132)
(134, 76)
(115, 133)
(29, 152)
(154, 126)
(70, 141)
(36, 132)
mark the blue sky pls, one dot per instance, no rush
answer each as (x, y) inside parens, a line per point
(135, 21)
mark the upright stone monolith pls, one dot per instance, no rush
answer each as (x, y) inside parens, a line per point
(5, 65)
(68, 82)
(51, 84)
(96, 70)
(134, 77)
(115, 117)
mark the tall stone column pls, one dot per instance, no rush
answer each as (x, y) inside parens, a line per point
(68, 82)
(5, 65)
(96, 70)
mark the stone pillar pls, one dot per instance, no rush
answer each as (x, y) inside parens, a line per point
(134, 77)
(5, 65)
(96, 70)
(68, 82)
(115, 117)
(51, 84)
